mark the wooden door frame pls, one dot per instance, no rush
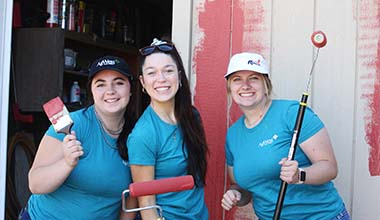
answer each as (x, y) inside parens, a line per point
(5, 55)
(181, 32)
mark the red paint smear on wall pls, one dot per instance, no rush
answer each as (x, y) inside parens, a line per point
(373, 125)
(211, 60)
(210, 63)
(248, 17)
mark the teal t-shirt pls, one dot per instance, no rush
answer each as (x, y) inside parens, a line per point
(254, 155)
(154, 142)
(93, 189)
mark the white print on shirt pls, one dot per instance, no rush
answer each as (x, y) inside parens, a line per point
(268, 141)
(125, 163)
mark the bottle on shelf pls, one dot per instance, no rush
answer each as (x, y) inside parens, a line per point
(88, 20)
(52, 9)
(63, 14)
(75, 92)
(71, 15)
(111, 26)
(103, 19)
(81, 8)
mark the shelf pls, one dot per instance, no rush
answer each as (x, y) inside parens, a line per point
(89, 39)
(41, 80)
(93, 40)
(76, 73)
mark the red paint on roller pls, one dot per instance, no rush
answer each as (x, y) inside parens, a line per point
(173, 184)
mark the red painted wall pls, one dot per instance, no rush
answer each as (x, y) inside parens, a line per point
(369, 61)
(373, 125)
(211, 58)
(222, 25)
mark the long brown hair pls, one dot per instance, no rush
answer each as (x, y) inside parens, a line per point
(188, 119)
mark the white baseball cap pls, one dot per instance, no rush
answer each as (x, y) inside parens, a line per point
(247, 61)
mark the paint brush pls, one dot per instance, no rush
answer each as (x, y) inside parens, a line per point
(58, 115)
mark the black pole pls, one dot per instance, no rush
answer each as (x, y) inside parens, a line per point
(292, 152)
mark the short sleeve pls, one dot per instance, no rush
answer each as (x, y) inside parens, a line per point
(79, 121)
(311, 122)
(52, 133)
(141, 150)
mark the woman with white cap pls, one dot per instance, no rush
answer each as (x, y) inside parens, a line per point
(257, 146)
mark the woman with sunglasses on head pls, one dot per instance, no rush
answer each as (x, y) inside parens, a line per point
(83, 174)
(168, 139)
(257, 146)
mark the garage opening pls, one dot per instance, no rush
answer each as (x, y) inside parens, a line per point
(53, 43)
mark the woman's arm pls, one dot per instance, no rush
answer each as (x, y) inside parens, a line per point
(54, 161)
(130, 203)
(235, 195)
(319, 150)
(140, 174)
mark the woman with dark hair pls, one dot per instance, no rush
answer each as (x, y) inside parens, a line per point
(83, 174)
(169, 139)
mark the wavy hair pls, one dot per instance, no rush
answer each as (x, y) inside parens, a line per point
(188, 118)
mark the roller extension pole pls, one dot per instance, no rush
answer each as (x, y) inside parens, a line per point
(292, 151)
(319, 40)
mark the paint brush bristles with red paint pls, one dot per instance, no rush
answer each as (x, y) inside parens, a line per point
(58, 115)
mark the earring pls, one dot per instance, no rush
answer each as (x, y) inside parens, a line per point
(143, 90)
(179, 77)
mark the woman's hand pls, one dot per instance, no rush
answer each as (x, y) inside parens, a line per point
(289, 171)
(53, 163)
(230, 199)
(72, 149)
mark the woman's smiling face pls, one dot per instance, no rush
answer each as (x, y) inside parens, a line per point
(247, 88)
(111, 91)
(160, 77)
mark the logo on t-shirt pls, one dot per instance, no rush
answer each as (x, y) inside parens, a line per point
(126, 163)
(268, 141)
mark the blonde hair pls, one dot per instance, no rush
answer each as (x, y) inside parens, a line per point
(268, 92)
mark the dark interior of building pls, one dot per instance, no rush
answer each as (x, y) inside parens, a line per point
(49, 55)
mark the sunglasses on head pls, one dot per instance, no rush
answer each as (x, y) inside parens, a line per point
(145, 51)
